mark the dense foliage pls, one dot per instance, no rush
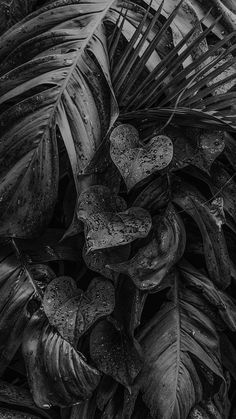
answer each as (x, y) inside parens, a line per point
(117, 209)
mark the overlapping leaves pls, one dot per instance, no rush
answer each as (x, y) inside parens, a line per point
(57, 373)
(151, 263)
(107, 221)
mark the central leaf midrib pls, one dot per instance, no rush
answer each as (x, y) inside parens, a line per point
(178, 340)
(80, 52)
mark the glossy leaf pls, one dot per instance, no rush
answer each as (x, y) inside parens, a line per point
(151, 263)
(209, 218)
(225, 186)
(11, 11)
(134, 161)
(57, 373)
(57, 76)
(199, 148)
(99, 260)
(71, 311)
(176, 342)
(205, 410)
(17, 289)
(15, 395)
(114, 353)
(219, 299)
(105, 224)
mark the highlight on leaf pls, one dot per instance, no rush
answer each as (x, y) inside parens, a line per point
(134, 160)
(107, 221)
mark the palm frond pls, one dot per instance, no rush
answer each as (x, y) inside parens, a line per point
(173, 88)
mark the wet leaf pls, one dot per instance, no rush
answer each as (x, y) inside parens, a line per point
(225, 186)
(114, 353)
(71, 311)
(176, 342)
(99, 260)
(219, 299)
(199, 148)
(134, 161)
(151, 263)
(47, 86)
(57, 373)
(16, 414)
(11, 11)
(209, 218)
(19, 284)
(205, 410)
(153, 197)
(104, 228)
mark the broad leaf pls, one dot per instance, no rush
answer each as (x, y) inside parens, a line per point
(209, 218)
(224, 185)
(154, 196)
(107, 224)
(134, 160)
(58, 75)
(114, 353)
(205, 410)
(71, 311)
(99, 260)
(11, 11)
(151, 263)
(219, 299)
(178, 343)
(57, 373)
(18, 285)
(85, 410)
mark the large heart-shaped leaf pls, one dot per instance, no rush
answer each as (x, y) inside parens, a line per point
(134, 161)
(57, 373)
(106, 222)
(73, 312)
(209, 218)
(152, 262)
(115, 353)
(178, 343)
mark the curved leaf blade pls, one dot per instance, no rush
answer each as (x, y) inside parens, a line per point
(179, 335)
(73, 312)
(58, 76)
(57, 373)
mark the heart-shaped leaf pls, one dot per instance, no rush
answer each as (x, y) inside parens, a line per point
(105, 225)
(57, 373)
(114, 353)
(198, 148)
(152, 262)
(134, 161)
(178, 343)
(73, 312)
(209, 218)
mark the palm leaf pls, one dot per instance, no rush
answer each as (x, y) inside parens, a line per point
(168, 93)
